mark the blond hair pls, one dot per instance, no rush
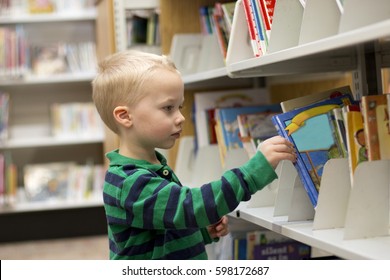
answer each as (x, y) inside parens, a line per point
(120, 78)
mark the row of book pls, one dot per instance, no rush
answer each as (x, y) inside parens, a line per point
(143, 27)
(17, 7)
(267, 245)
(322, 126)
(330, 125)
(218, 20)
(19, 58)
(75, 119)
(259, 15)
(233, 119)
(56, 181)
(62, 181)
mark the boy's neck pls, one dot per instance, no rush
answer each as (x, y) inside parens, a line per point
(139, 154)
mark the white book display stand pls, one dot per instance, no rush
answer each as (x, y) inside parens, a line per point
(334, 195)
(367, 12)
(286, 25)
(239, 48)
(320, 20)
(368, 208)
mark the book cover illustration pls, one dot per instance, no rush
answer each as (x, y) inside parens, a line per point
(310, 130)
(306, 100)
(206, 102)
(230, 128)
(254, 128)
(376, 126)
(356, 142)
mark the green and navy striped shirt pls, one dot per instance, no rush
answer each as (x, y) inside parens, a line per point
(150, 215)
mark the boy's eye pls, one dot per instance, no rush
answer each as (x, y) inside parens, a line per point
(168, 108)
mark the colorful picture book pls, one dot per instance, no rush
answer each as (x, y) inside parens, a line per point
(311, 132)
(226, 118)
(254, 128)
(376, 126)
(206, 102)
(305, 100)
(356, 140)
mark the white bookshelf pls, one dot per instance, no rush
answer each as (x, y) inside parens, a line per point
(346, 231)
(329, 240)
(79, 15)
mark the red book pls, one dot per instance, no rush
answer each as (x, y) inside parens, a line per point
(255, 42)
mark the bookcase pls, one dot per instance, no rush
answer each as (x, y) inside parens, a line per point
(349, 222)
(30, 128)
(126, 27)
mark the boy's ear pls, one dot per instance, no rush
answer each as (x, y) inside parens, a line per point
(122, 116)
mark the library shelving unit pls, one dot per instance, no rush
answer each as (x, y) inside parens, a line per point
(122, 31)
(351, 220)
(31, 140)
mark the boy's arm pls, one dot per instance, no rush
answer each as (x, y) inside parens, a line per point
(152, 202)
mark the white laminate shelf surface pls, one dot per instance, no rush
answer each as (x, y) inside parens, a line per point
(330, 240)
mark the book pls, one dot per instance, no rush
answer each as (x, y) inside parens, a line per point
(4, 115)
(290, 250)
(228, 13)
(309, 129)
(227, 118)
(250, 19)
(254, 128)
(340, 130)
(267, 11)
(262, 238)
(356, 142)
(259, 26)
(206, 102)
(376, 126)
(305, 100)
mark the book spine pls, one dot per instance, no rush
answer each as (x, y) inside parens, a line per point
(251, 28)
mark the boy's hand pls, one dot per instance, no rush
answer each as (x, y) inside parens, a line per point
(219, 229)
(276, 149)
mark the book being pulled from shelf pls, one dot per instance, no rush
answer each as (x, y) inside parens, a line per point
(312, 132)
(75, 119)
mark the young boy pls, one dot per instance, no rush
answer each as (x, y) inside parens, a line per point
(150, 215)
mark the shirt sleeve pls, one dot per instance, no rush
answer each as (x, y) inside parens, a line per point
(152, 202)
